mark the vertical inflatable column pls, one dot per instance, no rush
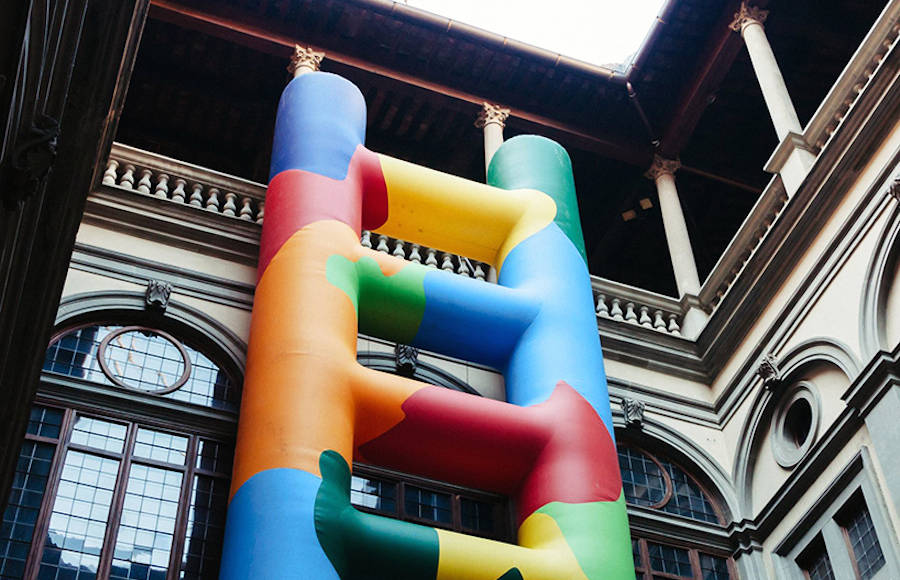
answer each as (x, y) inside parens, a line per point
(296, 401)
(559, 355)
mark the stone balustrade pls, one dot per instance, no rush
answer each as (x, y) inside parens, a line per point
(172, 181)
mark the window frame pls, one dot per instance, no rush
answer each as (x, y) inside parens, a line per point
(502, 514)
(856, 482)
(126, 459)
(646, 571)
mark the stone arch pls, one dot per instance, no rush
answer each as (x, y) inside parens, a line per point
(880, 283)
(791, 367)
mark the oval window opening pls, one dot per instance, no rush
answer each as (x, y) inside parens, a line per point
(798, 422)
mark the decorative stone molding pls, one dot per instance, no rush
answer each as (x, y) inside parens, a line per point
(634, 412)
(406, 358)
(157, 295)
(305, 58)
(748, 15)
(662, 166)
(491, 114)
(767, 370)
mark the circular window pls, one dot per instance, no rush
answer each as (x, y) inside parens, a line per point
(145, 360)
(795, 425)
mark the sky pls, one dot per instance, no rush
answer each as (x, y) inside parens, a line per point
(595, 31)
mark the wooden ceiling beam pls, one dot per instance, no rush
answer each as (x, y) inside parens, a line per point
(259, 38)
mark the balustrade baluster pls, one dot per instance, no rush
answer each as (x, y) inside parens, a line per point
(463, 269)
(430, 258)
(479, 271)
(127, 180)
(602, 308)
(616, 310)
(162, 186)
(143, 185)
(230, 208)
(630, 315)
(178, 192)
(246, 212)
(645, 319)
(446, 263)
(365, 239)
(111, 173)
(673, 326)
(383, 244)
(212, 202)
(414, 255)
(260, 212)
(196, 199)
(399, 249)
(658, 322)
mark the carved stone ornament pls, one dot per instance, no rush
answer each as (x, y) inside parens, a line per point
(31, 160)
(768, 371)
(305, 57)
(634, 412)
(491, 114)
(894, 189)
(157, 296)
(747, 15)
(406, 357)
(662, 166)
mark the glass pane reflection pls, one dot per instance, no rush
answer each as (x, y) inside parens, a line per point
(144, 541)
(78, 520)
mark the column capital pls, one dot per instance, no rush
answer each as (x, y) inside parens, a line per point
(662, 166)
(491, 114)
(304, 58)
(747, 15)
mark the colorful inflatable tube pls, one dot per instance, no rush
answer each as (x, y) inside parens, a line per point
(309, 409)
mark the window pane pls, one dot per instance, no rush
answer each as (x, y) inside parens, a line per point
(144, 541)
(819, 567)
(429, 505)
(160, 446)
(144, 362)
(376, 494)
(45, 422)
(206, 528)
(20, 516)
(670, 560)
(687, 498)
(215, 456)
(713, 567)
(99, 434)
(866, 549)
(78, 521)
(642, 481)
(476, 515)
(636, 553)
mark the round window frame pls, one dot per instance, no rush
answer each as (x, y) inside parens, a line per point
(788, 453)
(182, 380)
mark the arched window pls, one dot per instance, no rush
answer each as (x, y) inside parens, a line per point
(658, 483)
(133, 485)
(142, 359)
(651, 481)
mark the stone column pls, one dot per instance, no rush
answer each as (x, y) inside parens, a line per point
(491, 120)
(663, 173)
(793, 157)
(749, 22)
(304, 60)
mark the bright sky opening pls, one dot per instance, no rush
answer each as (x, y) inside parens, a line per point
(595, 31)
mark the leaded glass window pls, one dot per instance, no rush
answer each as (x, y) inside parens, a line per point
(142, 359)
(864, 544)
(658, 561)
(120, 496)
(658, 483)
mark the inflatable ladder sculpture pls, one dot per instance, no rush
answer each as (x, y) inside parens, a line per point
(309, 409)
